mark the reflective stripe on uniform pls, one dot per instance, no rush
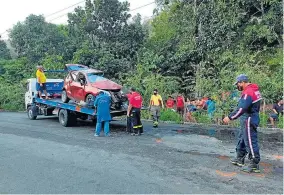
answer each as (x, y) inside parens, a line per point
(138, 126)
(249, 137)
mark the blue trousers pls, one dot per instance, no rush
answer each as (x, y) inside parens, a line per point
(99, 128)
(247, 140)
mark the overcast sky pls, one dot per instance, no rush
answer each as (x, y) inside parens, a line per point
(12, 11)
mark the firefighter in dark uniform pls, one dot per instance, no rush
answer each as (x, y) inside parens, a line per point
(248, 111)
(134, 112)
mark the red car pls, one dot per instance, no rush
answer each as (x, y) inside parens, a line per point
(83, 84)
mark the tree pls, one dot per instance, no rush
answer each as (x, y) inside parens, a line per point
(34, 38)
(4, 51)
(105, 37)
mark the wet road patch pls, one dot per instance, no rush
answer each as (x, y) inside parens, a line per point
(278, 157)
(225, 174)
(223, 157)
(158, 140)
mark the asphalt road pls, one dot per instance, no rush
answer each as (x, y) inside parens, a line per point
(41, 156)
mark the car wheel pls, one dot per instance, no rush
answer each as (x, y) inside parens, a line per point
(64, 97)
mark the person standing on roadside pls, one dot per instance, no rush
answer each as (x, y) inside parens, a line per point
(134, 112)
(277, 110)
(210, 108)
(41, 82)
(180, 105)
(102, 104)
(156, 102)
(248, 111)
(170, 102)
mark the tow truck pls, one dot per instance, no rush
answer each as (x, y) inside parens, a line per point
(67, 113)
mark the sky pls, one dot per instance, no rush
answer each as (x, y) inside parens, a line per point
(12, 11)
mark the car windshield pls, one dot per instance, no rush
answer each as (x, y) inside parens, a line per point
(94, 77)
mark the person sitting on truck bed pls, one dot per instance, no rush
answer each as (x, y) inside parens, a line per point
(102, 104)
(41, 82)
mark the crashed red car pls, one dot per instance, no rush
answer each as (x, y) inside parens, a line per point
(83, 84)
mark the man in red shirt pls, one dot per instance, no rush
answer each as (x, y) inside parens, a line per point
(170, 102)
(134, 111)
(180, 104)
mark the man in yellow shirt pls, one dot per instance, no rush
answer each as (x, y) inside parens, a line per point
(156, 102)
(41, 82)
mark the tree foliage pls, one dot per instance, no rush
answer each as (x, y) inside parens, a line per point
(196, 47)
(4, 51)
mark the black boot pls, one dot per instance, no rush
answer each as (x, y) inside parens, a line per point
(252, 167)
(239, 160)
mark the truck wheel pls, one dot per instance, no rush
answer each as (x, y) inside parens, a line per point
(32, 114)
(66, 118)
(64, 97)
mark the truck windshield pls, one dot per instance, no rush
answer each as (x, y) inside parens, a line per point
(93, 77)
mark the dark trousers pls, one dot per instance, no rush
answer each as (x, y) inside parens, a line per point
(137, 126)
(247, 140)
(129, 124)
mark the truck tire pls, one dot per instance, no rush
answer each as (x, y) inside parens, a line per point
(66, 118)
(32, 112)
(64, 97)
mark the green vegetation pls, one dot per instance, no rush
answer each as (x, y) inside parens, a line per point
(192, 47)
(169, 115)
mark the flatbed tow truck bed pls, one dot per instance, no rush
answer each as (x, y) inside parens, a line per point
(68, 113)
(72, 106)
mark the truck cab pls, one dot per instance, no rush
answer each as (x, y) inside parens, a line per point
(53, 88)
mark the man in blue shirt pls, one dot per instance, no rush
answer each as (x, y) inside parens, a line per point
(210, 108)
(102, 104)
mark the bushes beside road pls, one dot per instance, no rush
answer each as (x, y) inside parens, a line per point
(202, 118)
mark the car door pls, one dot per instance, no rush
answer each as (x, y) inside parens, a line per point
(78, 90)
(67, 84)
(70, 82)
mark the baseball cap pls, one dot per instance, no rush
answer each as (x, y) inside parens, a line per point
(240, 78)
(39, 66)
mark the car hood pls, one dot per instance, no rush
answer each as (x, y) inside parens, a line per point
(106, 85)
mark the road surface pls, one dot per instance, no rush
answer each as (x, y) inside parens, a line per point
(41, 156)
